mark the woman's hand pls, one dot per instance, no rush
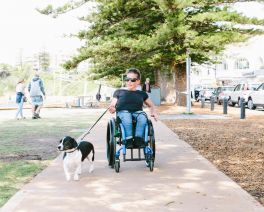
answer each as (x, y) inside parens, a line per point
(112, 109)
(153, 112)
(155, 116)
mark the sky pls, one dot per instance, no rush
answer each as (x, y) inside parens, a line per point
(24, 31)
(251, 9)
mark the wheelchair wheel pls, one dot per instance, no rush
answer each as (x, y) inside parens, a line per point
(152, 140)
(110, 142)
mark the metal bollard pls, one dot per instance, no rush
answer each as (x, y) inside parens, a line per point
(82, 101)
(242, 108)
(79, 102)
(225, 103)
(202, 102)
(212, 102)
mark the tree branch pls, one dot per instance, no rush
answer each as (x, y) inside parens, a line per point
(54, 12)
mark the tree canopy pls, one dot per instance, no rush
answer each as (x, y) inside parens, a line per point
(157, 34)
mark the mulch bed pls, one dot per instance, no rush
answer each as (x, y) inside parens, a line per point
(235, 147)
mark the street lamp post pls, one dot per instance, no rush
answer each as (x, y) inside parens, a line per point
(188, 96)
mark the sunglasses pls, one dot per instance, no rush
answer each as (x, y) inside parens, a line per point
(131, 79)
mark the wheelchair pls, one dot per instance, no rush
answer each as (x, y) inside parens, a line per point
(114, 144)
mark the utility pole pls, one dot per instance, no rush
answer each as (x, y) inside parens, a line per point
(188, 89)
(21, 58)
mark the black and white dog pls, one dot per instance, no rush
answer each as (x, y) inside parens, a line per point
(74, 155)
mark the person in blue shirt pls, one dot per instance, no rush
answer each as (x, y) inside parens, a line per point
(20, 95)
(37, 93)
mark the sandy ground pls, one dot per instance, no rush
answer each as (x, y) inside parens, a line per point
(235, 146)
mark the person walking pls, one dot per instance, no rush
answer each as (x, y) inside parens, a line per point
(20, 95)
(37, 93)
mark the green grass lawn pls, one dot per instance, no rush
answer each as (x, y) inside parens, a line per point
(19, 140)
(14, 174)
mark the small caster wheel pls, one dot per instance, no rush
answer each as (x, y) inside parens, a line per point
(117, 165)
(151, 165)
(147, 163)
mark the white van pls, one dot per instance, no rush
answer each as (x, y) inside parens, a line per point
(241, 90)
(256, 98)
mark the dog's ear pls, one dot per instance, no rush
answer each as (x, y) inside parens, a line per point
(75, 144)
(62, 140)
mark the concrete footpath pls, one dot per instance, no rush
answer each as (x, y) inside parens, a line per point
(182, 180)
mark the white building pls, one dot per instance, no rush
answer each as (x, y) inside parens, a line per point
(239, 62)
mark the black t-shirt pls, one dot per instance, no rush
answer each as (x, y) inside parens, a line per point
(130, 100)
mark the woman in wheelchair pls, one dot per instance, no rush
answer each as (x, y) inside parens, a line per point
(128, 104)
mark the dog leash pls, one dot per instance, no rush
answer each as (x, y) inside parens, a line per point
(95, 123)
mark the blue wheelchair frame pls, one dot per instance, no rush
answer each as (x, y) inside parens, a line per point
(147, 149)
(115, 135)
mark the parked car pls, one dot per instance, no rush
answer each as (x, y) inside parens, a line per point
(196, 92)
(256, 98)
(223, 92)
(206, 93)
(242, 90)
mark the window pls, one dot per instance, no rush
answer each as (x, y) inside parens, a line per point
(261, 66)
(261, 87)
(222, 66)
(241, 63)
(237, 87)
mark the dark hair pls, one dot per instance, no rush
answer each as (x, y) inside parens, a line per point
(134, 71)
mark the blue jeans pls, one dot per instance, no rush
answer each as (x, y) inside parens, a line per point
(126, 118)
(20, 108)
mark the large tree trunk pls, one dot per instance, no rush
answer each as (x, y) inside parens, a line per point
(157, 77)
(163, 79)
(180, 84)
(172, 85)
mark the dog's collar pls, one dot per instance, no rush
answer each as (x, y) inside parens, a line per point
(72, 150)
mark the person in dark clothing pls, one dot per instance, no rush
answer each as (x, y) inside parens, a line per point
(128, 103)
(146, 86)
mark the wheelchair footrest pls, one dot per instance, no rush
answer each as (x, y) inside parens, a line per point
(136, 143)
(139, 142)
(135, 147)
(135, 159)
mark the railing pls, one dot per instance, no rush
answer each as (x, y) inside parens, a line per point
(87, 101)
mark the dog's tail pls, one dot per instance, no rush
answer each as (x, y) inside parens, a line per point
(93, 154)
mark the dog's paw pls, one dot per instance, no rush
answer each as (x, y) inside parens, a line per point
(91, 169)
(76, 177)
(67, 176)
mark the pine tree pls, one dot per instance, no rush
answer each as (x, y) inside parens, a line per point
(44, 60)
(157, 34)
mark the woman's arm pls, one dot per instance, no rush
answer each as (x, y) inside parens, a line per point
(112, 106)
(153, 112)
